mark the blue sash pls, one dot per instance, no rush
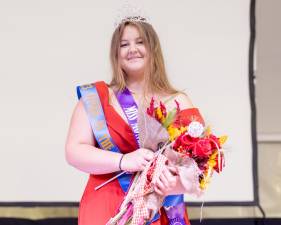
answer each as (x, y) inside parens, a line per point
(97, 120)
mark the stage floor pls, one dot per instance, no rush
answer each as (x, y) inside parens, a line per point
(73, 221)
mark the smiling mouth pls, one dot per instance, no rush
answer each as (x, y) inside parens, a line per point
(134, 58)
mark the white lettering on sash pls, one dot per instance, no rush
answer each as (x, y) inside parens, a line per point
(131, 112)
(135, 128)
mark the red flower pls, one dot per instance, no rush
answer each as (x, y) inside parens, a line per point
(184, 141)
(202, 163)
(202, 148)
(150, 109)
(214, 141)
(163, 109)
(178, 106)
(187, 140)
(186, 116)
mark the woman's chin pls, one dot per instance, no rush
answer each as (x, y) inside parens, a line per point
(137, 64)
(135, 72)
(135, 68)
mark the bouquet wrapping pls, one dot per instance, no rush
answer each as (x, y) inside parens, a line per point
(179, 139)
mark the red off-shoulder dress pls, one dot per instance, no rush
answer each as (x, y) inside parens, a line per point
(97, 207)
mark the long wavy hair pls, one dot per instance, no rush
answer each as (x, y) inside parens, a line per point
(156, 80)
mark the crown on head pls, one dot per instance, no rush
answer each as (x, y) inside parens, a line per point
(132, 13)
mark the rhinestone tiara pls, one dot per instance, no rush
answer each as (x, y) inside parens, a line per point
(130, 12)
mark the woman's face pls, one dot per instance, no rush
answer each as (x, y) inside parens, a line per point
(132, 54)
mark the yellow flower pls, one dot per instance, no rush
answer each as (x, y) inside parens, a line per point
(183, 129)
(208, 131)
(222, 139)
(212, 160)
(159, 115)
(207, 178)
(203, 184)
(174, 132)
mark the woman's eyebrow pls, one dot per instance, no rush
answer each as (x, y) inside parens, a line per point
(128, 40)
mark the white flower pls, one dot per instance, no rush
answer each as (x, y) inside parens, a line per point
(195, 129)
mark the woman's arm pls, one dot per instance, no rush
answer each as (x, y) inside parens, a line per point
(79, 147)
(81, 153)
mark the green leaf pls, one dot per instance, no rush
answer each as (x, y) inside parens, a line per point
(170, 118)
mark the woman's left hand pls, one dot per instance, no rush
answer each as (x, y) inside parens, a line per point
(168, 182)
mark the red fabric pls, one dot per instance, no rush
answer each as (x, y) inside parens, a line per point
(97, 207)
(186, 116)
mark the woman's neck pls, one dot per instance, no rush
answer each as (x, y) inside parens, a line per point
(136, 86)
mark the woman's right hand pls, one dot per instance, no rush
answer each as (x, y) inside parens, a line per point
(136, 160)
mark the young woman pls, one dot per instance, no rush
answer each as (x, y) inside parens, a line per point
(138, 67)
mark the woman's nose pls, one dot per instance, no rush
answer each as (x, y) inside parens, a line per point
(133, 48)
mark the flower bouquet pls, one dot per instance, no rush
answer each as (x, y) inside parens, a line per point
(179, 139)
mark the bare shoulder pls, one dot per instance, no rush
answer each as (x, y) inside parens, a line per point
(80, 129)
(80, 114)
(79, 110)
(183, 100)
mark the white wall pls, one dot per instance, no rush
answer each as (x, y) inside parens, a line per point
(49, 47)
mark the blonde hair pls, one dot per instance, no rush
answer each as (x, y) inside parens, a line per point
(156, 79)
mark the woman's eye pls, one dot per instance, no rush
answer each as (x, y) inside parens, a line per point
(124, 45)
(140, 42)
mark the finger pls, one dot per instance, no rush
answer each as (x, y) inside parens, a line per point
(173, 170)
(158, 191)
(168, 175)
(164, 180)
(145, 163)
(143, 166)
(160, 185)
(148, 155)
(147, 159)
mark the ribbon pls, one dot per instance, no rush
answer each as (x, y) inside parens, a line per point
(176, 214)
(130, 108)
(97, 120)
(175, 208)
